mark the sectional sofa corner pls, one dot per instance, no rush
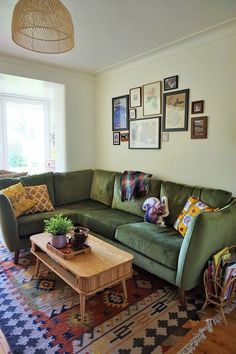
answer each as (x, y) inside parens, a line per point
(92, 198)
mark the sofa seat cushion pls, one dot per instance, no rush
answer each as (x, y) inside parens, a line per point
(161, 244)
(73, 186)
(105, 221)
(34, 223)
(85, 205)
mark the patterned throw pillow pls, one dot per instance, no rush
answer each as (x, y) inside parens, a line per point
(18, 198)
(39, 194)
(192, 208)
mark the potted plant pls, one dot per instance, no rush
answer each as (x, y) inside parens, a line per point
(58, 226)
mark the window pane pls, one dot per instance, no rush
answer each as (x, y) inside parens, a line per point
(25, 125)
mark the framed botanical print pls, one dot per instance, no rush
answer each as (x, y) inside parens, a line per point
(120, 112)
(135, 97)
(175, 111)
(152, 94)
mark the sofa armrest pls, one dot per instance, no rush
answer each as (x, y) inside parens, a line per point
(208, 233)
(8, 224)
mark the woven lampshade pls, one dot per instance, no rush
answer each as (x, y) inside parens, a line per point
(43, 26)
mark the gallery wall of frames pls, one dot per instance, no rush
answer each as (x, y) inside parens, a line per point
(150, 112)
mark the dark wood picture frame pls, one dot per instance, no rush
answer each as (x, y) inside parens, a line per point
(197, 107)
(116, 138)
(199, 127)
(171, 83)
(175, 111)
(120, 113)
(135, 97)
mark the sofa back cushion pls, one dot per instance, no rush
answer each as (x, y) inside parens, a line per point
(71, 187)
(7, 182)
(134, 206)
(103, 186)
(178, 194)
(215, 198)
(42, 178)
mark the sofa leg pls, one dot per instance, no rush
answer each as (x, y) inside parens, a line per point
(16, 256)
(182, 298)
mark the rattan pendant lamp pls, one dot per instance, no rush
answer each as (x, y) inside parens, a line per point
(43, 26)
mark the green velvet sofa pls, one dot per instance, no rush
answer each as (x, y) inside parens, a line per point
(93, 199)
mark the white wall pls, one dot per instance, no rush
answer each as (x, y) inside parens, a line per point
(78, 129)
(206, 65)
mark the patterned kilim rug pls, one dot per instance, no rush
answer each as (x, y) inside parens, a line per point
(42, 315)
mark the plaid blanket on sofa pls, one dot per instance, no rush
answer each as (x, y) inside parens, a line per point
(134, 184)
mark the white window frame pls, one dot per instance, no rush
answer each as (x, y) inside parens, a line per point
(4, 98)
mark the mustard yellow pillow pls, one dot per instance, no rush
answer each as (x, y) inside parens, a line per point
(40, 195)
(192, 208)
(17, 196)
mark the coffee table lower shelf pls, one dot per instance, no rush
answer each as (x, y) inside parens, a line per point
(85, 286)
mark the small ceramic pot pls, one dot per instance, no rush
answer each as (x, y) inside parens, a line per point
(79, 237)
(58, 241)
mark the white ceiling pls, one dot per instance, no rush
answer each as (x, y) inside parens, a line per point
(108, 32)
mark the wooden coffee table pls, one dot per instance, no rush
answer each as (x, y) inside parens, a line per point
(86, 273)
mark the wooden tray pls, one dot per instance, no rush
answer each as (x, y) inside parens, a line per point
(68, 252)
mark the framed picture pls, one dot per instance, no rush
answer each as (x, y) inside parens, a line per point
(145, 133)
(171, 83)
(135, 97)
(124, 136)
(197, 107)
(120, 111)
(152, 98)
(116, 138)
(199, 128)
(175, 111)
(132, 113)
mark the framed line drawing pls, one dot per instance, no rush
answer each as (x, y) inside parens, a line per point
(199, 128)
(175, 111)
(145, 133)
(116, 138)
(120, 112)
(135, 97)
(152, 94)
(132, 113)
(197, 107)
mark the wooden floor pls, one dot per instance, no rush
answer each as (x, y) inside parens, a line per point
(221, 341)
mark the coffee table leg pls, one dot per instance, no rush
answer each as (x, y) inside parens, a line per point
(37, 267)
(82, 306)
(124, 289)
